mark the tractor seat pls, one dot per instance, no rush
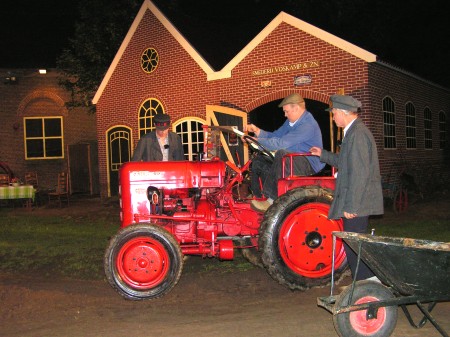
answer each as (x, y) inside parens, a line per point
(325, 172)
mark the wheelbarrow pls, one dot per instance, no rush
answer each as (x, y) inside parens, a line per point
(411, 271)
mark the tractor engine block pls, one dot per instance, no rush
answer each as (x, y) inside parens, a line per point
(189, 200)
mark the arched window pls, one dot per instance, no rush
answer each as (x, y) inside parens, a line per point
(389, 123)
(442, 130)
(147, 111)
(410, 126)
(191, 133)
(428, 128)
(118, 148)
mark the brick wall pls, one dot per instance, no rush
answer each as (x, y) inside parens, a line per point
(38, 95)
(287, 46)
(429, 166)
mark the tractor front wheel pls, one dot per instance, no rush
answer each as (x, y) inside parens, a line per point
(296, 239)
(143, 262)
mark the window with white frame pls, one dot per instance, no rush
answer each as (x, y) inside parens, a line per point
(191, 132)
(410, 126)
(428, 128)
(389, 123)
(44, 137)
(442, 130)
(147, 111)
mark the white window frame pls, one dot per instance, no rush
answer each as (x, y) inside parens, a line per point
(191, 138)
(388, 108)
(410, 124)
(442, 130)
(428, 128)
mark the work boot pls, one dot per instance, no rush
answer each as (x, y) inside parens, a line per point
(260, 206)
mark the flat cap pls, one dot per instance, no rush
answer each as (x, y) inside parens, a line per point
(291, 99)
(344, 102)
(161, 121)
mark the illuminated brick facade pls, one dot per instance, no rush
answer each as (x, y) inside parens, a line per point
(30, 95)
(262, 72)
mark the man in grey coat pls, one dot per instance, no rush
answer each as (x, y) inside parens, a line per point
(159, 145)
(358, 192)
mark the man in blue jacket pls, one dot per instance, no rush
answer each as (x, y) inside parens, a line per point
(358, 192)
(298, 134)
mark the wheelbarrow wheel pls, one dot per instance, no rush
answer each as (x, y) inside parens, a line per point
(355, 323)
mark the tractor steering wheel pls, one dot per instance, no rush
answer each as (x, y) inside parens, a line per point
(257, 146)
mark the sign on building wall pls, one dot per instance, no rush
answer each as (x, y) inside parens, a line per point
(302, 80)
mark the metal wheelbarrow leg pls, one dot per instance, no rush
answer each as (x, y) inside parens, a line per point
(427, 317)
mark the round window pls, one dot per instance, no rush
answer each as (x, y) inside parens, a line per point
(149, 60)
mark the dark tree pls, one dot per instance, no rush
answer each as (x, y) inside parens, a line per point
(100, 30)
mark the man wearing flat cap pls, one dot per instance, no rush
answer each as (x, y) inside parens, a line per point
(298, 133)
(161, 144)
(358, 192)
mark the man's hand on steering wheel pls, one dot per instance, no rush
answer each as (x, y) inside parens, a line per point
(257, 146)
(252, 128)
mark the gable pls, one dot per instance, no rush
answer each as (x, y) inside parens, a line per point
(226, 71)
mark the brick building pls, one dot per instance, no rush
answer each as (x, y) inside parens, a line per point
(156, 70)
(38, 133)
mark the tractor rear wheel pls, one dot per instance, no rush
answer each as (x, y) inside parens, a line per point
(296, 239)
(143, 262)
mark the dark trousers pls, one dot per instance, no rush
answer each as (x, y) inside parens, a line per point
(357, 225)
(268, 171)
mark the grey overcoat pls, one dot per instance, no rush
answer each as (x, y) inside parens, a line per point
(358, 183)
(148, 148)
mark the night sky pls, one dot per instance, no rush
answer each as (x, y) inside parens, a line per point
(33, 33)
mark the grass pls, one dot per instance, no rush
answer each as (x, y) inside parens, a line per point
(73, 246)
(435, 230)
(54, 246)
(427, 219)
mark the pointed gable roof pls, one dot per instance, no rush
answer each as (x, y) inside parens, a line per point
(305, 27)
(148, 5)
(226, 71)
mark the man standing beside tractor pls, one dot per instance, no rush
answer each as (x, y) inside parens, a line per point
(358, 192)
(298, 133)
(161, 144)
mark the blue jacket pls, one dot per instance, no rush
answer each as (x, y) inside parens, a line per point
(298, 138)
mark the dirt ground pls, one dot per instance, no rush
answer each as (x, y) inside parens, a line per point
(240, 303)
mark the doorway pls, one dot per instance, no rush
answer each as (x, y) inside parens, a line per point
(119, 152)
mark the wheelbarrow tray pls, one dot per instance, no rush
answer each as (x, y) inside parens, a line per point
(411, 267)
(416, 272)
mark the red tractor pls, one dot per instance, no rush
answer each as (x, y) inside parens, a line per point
(172, 209)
